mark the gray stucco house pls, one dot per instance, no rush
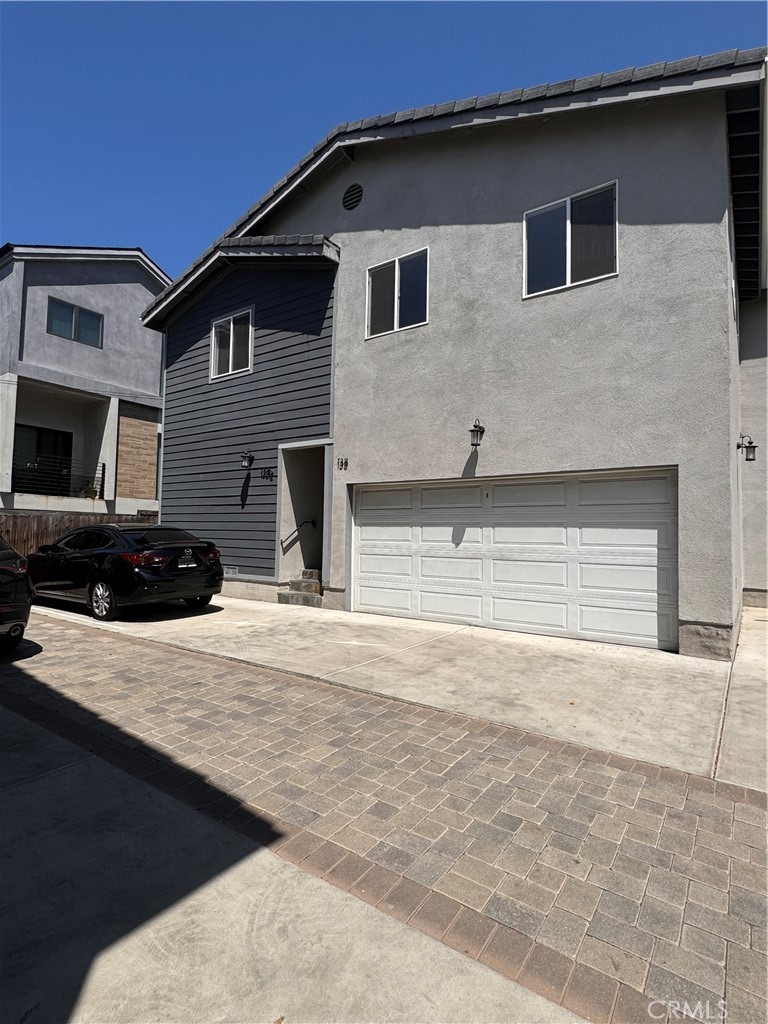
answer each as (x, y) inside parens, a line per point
(578, 267)
(80, 381)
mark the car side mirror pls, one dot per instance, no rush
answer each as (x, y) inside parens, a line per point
(46, 549)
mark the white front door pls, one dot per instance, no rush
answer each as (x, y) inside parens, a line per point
(593, 557)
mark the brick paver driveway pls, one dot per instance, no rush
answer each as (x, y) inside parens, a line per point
(614, 887)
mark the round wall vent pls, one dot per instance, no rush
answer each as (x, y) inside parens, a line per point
(352, 197)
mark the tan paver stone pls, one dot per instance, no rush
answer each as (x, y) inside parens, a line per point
(516, 860)
(550, 878)
(506, 952)
(706, 896)
(469, 932)
(478, 871)
(526, 892)
(435, 915)
(607, 959)
(546, 972)
(562, 932)
(580, 898)
(691, 966)
(463, 890)
(568, 863)
(618, 882)
(590, 994)
(704, 943)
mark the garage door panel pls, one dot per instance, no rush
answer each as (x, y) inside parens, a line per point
(385, 499)
(542, 535)
(386, 565)
(458, 535)
(464, 606)
(650, 490)
(593, 557)
(638, 623)
(451, 568)
(638, 579)
(452, 497)
(528, 494)
(526, 613)
(529, 573)
(651, 536)
(381, 598)
(386, 533)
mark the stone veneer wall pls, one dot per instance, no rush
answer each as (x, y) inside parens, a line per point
(137, 452)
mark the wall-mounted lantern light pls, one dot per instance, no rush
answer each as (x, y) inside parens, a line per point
(476, 433)
(246, 462)
(745, 442)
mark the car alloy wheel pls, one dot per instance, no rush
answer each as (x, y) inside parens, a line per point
(103, 601)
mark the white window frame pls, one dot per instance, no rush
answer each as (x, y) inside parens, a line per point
(386, 263)
(212, 375)
(567, 200)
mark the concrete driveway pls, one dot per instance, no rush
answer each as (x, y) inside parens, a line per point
(652, 705)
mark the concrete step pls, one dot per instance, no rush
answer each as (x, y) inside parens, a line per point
(310, 574)
(305, 586)
(298, 597)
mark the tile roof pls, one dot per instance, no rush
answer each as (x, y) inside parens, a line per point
(628, 76)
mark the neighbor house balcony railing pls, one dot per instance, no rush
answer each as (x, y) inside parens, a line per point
(54, 475)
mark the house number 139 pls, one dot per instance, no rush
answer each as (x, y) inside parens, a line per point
(342, 463)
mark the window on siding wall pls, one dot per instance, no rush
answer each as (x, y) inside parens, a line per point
(571, 241)
(75, 323)
(397, 293)
(231, 344)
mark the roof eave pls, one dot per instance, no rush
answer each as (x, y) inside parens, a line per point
(226, 254)
(86, 254)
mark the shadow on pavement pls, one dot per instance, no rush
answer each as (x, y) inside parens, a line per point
(92, 846)
(137, 613)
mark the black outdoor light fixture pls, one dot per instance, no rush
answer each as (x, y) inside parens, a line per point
(476, 432)
(746, 443)
(246, 462)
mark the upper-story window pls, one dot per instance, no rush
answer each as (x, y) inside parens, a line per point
(571, 241)
(75, 323)
(231, 349)
(398, 293)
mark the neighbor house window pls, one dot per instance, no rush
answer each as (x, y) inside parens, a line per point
(75, 323)
(231, 344)
(397, 293)
(571, 241)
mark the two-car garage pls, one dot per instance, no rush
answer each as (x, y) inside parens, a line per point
(592, 557)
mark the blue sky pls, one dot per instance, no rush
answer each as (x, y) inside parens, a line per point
(158, 124)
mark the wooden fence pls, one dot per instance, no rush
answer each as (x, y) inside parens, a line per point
(26, 531)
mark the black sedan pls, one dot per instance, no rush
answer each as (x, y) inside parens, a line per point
(15, 596)
(112, 567)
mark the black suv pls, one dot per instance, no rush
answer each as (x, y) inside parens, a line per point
(15, 596)
(110, 567)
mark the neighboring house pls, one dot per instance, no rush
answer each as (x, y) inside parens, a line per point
(80, 381)
(577, 266)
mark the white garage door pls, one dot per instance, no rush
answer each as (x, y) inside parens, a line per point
(593, 557)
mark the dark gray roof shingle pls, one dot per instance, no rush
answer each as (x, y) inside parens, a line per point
(626, 76)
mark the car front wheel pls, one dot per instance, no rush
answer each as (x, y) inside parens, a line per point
(198, 602)
(103, 604)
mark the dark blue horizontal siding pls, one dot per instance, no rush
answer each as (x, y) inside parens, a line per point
(208, 424)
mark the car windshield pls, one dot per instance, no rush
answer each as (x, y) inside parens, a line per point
(5, 546)
(160, 535)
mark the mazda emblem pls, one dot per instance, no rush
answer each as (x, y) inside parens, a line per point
(187, 551)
